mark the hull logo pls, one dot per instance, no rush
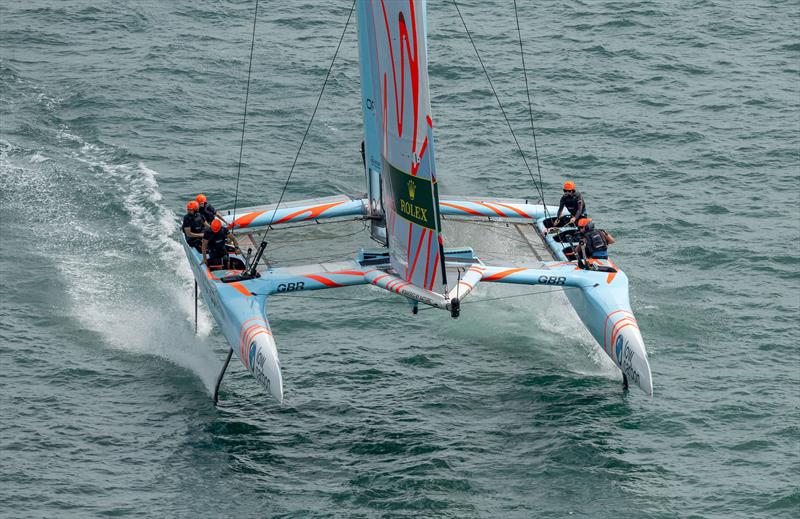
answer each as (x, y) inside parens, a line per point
(252, 354)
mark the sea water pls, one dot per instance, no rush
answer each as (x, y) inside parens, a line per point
(678, 122)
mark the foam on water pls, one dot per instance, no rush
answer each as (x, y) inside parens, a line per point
(37, 157)
(113, 268)
(545, 316)
(679, 125)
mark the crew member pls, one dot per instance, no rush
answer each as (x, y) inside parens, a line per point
(215, 238)
(207, 210)
(193, 224)
(593, 242)
(573, 202)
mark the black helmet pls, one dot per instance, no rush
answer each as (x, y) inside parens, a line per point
(589, 226)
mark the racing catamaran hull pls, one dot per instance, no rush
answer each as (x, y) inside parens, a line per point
(242, 318)
(600, 299)
(405, 212)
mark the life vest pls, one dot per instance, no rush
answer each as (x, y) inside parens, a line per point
(573, 202)
(207, 212)
(595, 241)
(195, 222)
(216, 243)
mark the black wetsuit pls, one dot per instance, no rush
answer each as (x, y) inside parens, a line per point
(208, 212)
(194, 221)
(215, 246)
(574, 204)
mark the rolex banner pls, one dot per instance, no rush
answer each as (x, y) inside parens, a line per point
(413, 197)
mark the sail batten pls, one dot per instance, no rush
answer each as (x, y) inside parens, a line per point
(399, 135)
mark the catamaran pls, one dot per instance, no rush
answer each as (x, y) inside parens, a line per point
(405, 215)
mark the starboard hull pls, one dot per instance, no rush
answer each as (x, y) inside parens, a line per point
(605, 311)
(600, 299)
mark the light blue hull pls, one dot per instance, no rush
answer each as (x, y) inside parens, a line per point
(240, 312)
(600, 298)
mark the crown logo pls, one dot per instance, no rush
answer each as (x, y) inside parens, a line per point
(412, 188)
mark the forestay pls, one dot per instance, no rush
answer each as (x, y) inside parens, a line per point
(399, 135)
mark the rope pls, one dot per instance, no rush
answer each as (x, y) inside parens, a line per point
(310, 121)
(244, 117)
(540, 292)
(500, 104)
(530, 109)
(492, 227)
(286, 243)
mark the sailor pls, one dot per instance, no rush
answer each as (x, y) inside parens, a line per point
(193, 224)
(207, 210)
(573, 202)
(593, 242)
(215, 238)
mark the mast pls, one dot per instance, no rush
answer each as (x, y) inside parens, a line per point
(368, 60)
(398, 136)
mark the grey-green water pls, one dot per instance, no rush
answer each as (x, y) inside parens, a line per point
(678, 120)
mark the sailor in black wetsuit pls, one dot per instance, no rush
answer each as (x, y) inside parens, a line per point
(193, 225)
(215, 253)
(573, 202)
(207, 210)
(593, 242)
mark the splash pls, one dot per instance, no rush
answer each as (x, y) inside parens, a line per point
(543, 318)
(103, 223)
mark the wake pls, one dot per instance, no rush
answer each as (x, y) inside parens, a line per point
(102, 223)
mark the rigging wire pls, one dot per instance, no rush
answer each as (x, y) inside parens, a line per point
(540, 292)
(470, 301)
(314, 223)
(500, 104)
(539, 185)
(530, 108)
(244, 117)
(306, 239)
(310, 121)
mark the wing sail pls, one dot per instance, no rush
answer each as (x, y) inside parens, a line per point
(394, 43)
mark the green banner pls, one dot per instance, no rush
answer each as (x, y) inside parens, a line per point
(413, 197)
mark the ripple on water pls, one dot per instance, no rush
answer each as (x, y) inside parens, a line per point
(679, 124)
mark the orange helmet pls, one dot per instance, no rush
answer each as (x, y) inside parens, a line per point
(583, 222)
(216, 225)
(569, 185)
(201, 199)
(192, 205)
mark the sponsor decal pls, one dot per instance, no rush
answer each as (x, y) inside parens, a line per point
(618, 348)
(413, 197)
(625, 356)
(257, 361)
(252, 354)
(291, 287)
(375, 164)
(552, 280)
(413, 294)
